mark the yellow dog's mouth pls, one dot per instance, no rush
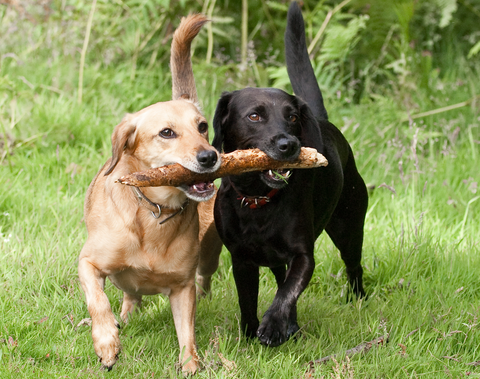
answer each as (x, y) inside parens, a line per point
(199, 191)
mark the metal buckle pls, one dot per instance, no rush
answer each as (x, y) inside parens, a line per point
(159, 212)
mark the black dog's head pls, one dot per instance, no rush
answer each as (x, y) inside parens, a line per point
(268, 119)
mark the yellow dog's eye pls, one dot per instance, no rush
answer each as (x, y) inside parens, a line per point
(203, 127)
(167, 133)
(254, 117)
(292, 118)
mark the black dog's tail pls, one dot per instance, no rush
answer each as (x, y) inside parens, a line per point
(299, 68)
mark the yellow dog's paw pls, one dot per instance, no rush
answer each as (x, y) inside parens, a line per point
(106, 344)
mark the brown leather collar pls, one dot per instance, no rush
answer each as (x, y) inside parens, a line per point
(156, 209)
(254, 202)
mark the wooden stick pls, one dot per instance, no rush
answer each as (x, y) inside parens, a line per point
(362, 348)
(234, 163)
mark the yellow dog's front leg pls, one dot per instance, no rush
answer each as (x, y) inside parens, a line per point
(183, 304)
(104, 325)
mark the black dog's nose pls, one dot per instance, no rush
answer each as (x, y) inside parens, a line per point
(288, 146)
(207, 158)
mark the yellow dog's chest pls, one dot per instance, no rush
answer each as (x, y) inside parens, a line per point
(149, 275)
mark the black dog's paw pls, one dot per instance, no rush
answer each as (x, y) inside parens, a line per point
(275, 330)
(270, 336)
(250, 333)
(292, 330)
(355, 294)
(249, 328)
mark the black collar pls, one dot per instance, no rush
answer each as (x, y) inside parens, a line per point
(254, 202)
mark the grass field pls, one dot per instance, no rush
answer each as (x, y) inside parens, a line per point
(421, 252)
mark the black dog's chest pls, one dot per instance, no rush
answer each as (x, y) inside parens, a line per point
(262, 237)
(268, 252)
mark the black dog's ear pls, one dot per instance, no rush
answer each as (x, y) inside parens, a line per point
(219, 120)
(311, 134)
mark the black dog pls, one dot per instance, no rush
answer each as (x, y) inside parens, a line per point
(273, 218)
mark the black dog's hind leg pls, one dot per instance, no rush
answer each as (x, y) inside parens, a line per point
(280, 320)
(279, 272)
(246, 279)
(345, 228)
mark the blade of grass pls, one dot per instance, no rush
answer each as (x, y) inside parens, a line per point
(244, 44)
(440, 110)
(324, 25)
(84, 51)
(210, 32)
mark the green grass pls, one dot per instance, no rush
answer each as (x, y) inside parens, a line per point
(421, 250)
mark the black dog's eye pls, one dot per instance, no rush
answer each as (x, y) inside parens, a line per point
(203, 127)
(167, 133)
(254, 117)
(292, 118)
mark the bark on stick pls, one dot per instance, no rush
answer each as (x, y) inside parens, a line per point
(234, 163)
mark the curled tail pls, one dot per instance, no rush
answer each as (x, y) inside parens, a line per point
(183, 82)
(300, 71)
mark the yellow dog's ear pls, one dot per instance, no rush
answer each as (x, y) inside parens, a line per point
(123, 138)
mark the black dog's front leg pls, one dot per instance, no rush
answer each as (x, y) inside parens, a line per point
(246, 279)
(280, 320)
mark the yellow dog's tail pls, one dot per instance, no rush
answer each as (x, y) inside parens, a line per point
(183, 82)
